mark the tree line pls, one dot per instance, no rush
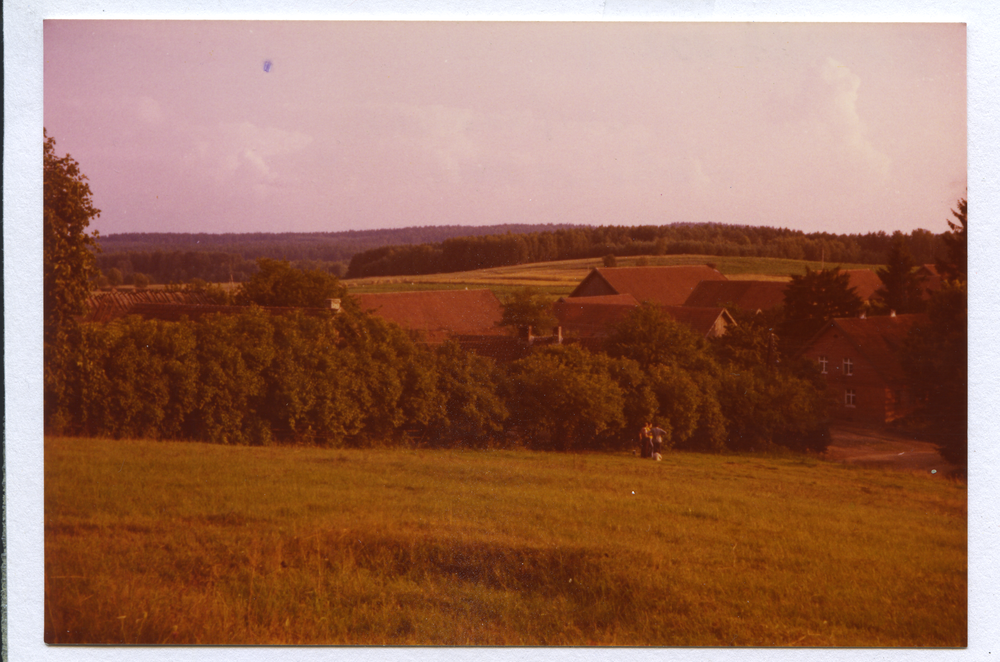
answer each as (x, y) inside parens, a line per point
(481, 252)
(162, 257)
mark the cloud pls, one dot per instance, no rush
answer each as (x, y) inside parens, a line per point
(244, 151)
(841, 123)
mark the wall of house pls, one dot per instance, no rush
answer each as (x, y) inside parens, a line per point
(875, 401)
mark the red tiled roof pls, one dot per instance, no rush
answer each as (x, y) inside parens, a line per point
(108, 306)
(438, 314)
(750, 295)
(619, 299)
(864, 282)
(701, 319)
(878, 339)
(668, 286)
(582, 317)
(928, 270)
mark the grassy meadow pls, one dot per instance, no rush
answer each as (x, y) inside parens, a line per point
(560, 278)
(185, 543)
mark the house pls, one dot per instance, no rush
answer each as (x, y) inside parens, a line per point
(865, 282)
(750, 295)
(588, 318)
(667, 286)
(438, 315)
(859, 357)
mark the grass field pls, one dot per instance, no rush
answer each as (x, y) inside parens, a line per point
(165, 542)
(560, 278)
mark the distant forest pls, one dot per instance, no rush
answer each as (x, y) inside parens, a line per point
(177, 258)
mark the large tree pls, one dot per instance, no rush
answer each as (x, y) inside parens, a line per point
(526, 307)
(278, 283)
(68, 267)
(936, 354)
(813, 299)
(900, 289)
(956, 266)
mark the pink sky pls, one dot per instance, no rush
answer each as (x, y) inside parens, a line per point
(359, 125)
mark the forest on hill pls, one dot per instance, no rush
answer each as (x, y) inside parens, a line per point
(177, 258)
(468, 253)
(166, 257)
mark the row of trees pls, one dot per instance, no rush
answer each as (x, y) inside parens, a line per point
(467, 253)
(354, 379)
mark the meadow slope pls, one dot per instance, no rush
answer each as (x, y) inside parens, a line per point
(186, 543)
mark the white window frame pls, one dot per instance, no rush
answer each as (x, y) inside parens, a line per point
(823, 363)
(850, 398)
(848, 367)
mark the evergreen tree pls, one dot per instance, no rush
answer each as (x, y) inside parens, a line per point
(812, 300)
(900, 289)
(956, 267)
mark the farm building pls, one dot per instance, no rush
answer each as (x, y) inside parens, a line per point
(750, 295)
(865, 282)
(667, 286)
(594, 317)
(438, 315)
(104, 307)
(859, 357)
(108, 306)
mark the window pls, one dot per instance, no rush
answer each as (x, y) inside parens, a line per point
(849, 397)
(848, 367)
(823, 362)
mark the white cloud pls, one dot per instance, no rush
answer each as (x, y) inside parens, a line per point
(841, 122)
(244, 150)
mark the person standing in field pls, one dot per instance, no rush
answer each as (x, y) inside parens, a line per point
(657, 434)
(646, 440)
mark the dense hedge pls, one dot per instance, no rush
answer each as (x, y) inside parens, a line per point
(353, 379)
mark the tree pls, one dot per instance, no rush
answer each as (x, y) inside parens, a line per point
(956, 267)
(277, 283)
(812, 300)
(649, 336)
(527, 307)
(68, 268)
(936, 354)
(900, 289)
(563, 397)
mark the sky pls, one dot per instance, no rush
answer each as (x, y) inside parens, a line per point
(302, 126)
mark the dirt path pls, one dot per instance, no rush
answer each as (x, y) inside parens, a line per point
(879, 448)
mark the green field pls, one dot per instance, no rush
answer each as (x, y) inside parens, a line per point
(560, 278)
(185, 543)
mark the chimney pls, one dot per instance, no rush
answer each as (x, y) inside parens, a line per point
(559, 335)
(333, 304)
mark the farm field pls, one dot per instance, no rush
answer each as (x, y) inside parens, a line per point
(186, 543)
(560, 278)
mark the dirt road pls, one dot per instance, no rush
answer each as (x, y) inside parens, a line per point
(879, 448)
